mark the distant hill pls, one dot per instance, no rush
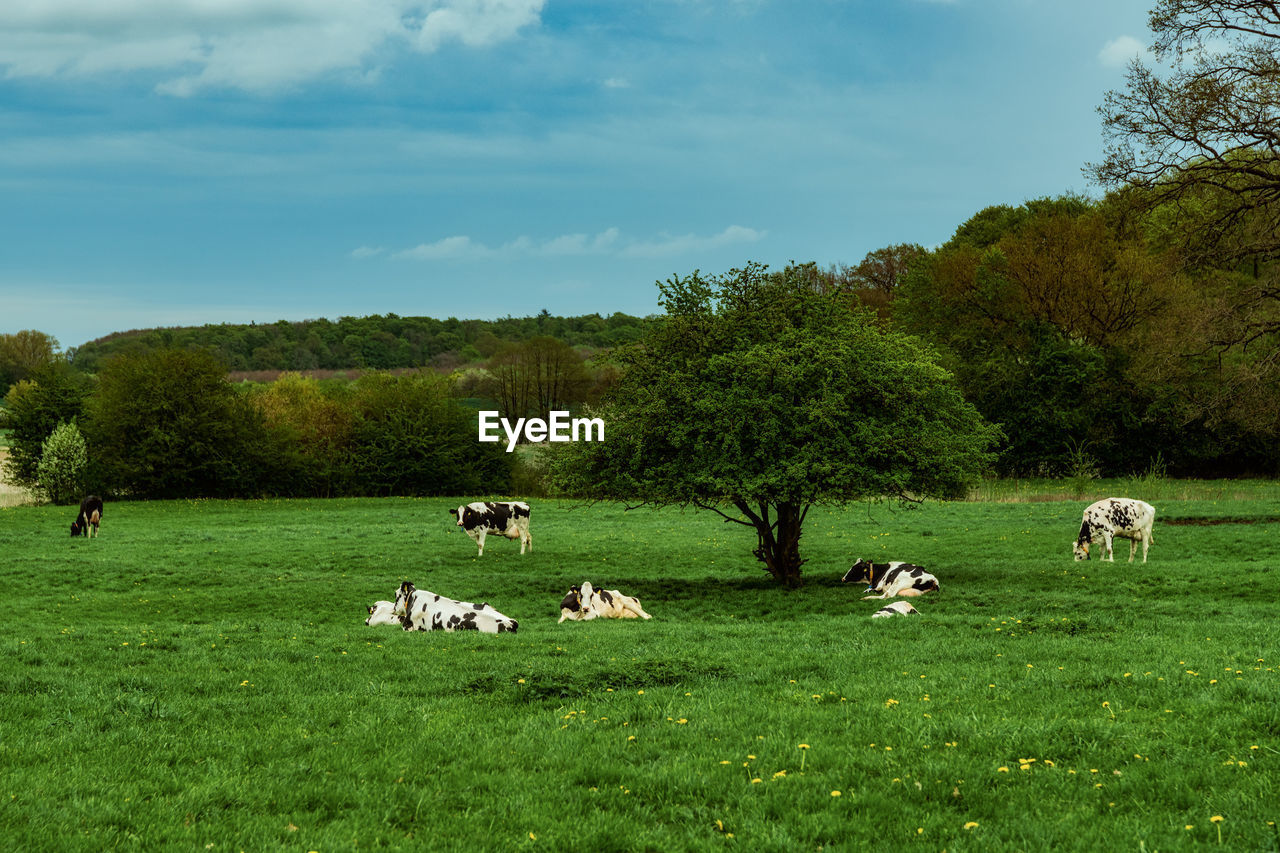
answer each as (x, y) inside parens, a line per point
(376, 342)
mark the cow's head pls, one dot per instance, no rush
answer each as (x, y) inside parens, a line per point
(859, 572)
(401, 604)
(572, 599)
(459, 513)
(1081, 550)
(75, 527)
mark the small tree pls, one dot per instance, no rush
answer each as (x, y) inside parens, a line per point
(63, 459)
(758, 397)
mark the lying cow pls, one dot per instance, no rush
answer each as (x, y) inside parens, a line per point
(426, 611)
(1110, 518)
(383, 613)
(895, 608)
(582, 603)
(86, 523)
(890, 579)
(503, 518)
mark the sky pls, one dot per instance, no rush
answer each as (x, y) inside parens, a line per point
(181, 162)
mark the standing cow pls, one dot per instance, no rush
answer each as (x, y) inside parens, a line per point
(86, 523)
(1109, 518)
(503, 518)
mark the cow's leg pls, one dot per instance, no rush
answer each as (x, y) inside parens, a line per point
(1133, 549)
(1146, 544)
(633, 605)
(1107, 542)
(480, 541)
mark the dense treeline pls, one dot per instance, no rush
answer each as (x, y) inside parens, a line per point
(167, 424)
(377, 342)
(1082, 329)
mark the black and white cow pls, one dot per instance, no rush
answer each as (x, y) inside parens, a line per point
(1111, 518)
(383, 613)
(426, 611)
(583, 603)
(895, 608)
(86, 523)
(890, 579)
(503, 518)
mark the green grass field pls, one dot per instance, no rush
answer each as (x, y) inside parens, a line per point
(200, 677)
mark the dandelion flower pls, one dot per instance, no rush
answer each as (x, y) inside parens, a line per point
(971, 824)
(835, 793)
(1216, 819)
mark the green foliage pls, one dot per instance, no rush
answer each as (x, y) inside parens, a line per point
(760, 393)
(166, 423)
(410, 437)
(53, 394)
(378, 342)
(63, 459)
(22, 354)
(1063, 324)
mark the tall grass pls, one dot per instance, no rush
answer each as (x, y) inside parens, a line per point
(199, 677)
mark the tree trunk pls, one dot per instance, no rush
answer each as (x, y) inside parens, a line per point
(779, 533)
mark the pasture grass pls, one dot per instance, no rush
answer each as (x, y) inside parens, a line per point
(200, 677)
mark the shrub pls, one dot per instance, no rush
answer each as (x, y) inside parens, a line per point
(63, 459)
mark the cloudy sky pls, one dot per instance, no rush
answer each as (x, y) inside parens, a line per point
(177, 162)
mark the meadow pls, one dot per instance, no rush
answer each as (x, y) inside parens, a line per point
(200, 677)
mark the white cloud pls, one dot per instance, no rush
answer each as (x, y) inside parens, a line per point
(256, 45)
(1119, 51)
(447, 248)
(608, 242)
(367, 252)
(688, 243)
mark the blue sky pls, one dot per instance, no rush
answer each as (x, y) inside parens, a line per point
(177, 162)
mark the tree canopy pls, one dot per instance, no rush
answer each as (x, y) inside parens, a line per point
(759, 396)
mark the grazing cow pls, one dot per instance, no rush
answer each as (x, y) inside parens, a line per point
(86, 523)
(1109, 518)
(504, 518)
(582, 603)
(890, 579)
(383, 613)
(895, 608)
(426, 611)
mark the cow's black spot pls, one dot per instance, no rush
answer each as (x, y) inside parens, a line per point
(605, 596)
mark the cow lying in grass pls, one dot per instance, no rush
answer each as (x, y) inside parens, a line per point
(426, 611)
(383, 613)
(1112, 518)
(86, 523)
(895, 608)
(582, 603)
(886, 580)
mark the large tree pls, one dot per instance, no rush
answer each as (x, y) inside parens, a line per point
(1197, 147)
(758, 397)
(1205, 133)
